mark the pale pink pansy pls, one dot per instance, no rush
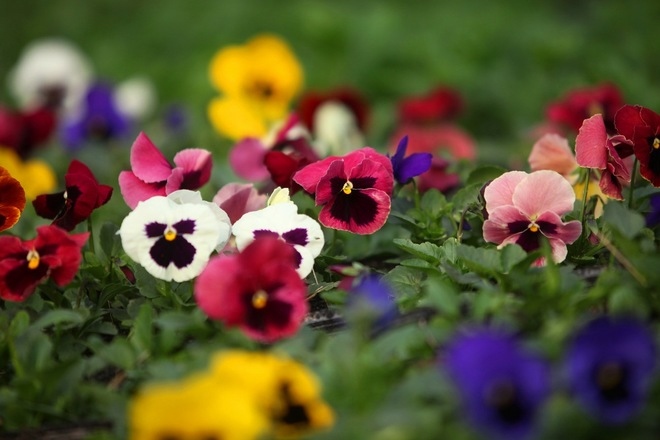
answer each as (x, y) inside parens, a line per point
(522, 208)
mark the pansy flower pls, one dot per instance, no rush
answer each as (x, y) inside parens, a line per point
(12, 200)
(50, 72)
(582, 103)
(524, 207)
(237, 199)
(98, 119)
(152, 175)
(282, 221)
(52, 254)
(609, 364)
(552, 152)
(286, 391)
(196, 407)
(24, 131)
(641, 126)
(595, 149)
(502, 386)
(258, 80)
(337, 119)
(172, 241)
(257, 290)
(35, 176)
(82, 195)
(653, 216)
(407, 167)
(354, 190)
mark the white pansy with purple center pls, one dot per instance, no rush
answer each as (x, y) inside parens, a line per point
(172, 241)
(282, 220)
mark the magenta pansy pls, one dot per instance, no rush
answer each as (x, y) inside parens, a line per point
(524, 207)
(152, 175)
(354, 190)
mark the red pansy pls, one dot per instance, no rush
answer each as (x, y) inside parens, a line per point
(12, 200)
(642, 127)
(82, 195)
(24, 264)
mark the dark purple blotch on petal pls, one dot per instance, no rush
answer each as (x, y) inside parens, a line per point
(184, 226)
(296, 236)
(275, 313)
(178, 252)
(356, 207)
(155, 229)
(263, 233)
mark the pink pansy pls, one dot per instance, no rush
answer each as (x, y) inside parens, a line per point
(354, 190)
(237, 199)
(552, 152)
(152, 174)
(521, 207)
(594, 148)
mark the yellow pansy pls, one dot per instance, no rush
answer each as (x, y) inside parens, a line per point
(258, 80)
(36, 176)
(592, 190)
(198, 407)
(286, 390)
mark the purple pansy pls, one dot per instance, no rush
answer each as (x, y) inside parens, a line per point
(405, 168)
(98, 119)
(502, 386)
(609, 365)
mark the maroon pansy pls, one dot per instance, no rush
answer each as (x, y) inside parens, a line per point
(24, 264)
(25, 131)
(354, 190)
(287, 158)
(82, 195)
(257, 290)
(642, 127)
(580, 104)
(440, 104)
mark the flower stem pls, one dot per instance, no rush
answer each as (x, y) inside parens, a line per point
(90, 228)
(585, 193)
(633, 174)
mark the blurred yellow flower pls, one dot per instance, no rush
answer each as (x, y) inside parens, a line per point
(286, 390)
(198, 407)
(36, 176)
(258, 81)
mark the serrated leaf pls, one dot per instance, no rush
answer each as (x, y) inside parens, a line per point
(466, 196)
(120, 353)
(433, 202)
(141, 336)
(406, 282)
(510, 255)
(484, 261)
(426, 251)
(449, 249)
(441, 294)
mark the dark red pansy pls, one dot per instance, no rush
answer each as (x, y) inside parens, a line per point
(641, 126)
(257, 290)
(580, 104)
(440, 104)
(53, 253)
(81, 196)
(25, 131)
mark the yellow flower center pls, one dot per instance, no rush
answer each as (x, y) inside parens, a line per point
(259, 299)
(656, 143)
(33, 259)
(170, 234)
(534, 227)
(348, 187)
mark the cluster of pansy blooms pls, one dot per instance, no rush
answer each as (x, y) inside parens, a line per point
(248, 251)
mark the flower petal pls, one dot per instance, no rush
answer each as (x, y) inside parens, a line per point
(247, 159)
(499, 192)
(134, 190)
(543, 191)
(497, 228)
(237, 199)
(591, 143)
(196, 164)
(361, 212)
(147, 161)
(236, 118)
(552, 152)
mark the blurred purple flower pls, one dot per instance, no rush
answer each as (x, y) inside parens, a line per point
(502, 386)
(609, 366)
(98, 119)
(405, 168)
(371, 295)
(653, 217)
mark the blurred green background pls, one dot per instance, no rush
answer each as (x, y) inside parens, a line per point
(509, 59)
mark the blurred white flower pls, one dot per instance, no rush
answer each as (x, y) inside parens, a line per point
(49, 71)
(136, 97)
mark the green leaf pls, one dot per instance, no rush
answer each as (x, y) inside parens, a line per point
(466, 196)
(628, 222)
(59, 317)
(441, 294)
(120, 353)
(109, 239)
(449, 249)
(426, 251)
(485, 261)
(510, 255)
(141, 335)
(433, 202)
(406, 282)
